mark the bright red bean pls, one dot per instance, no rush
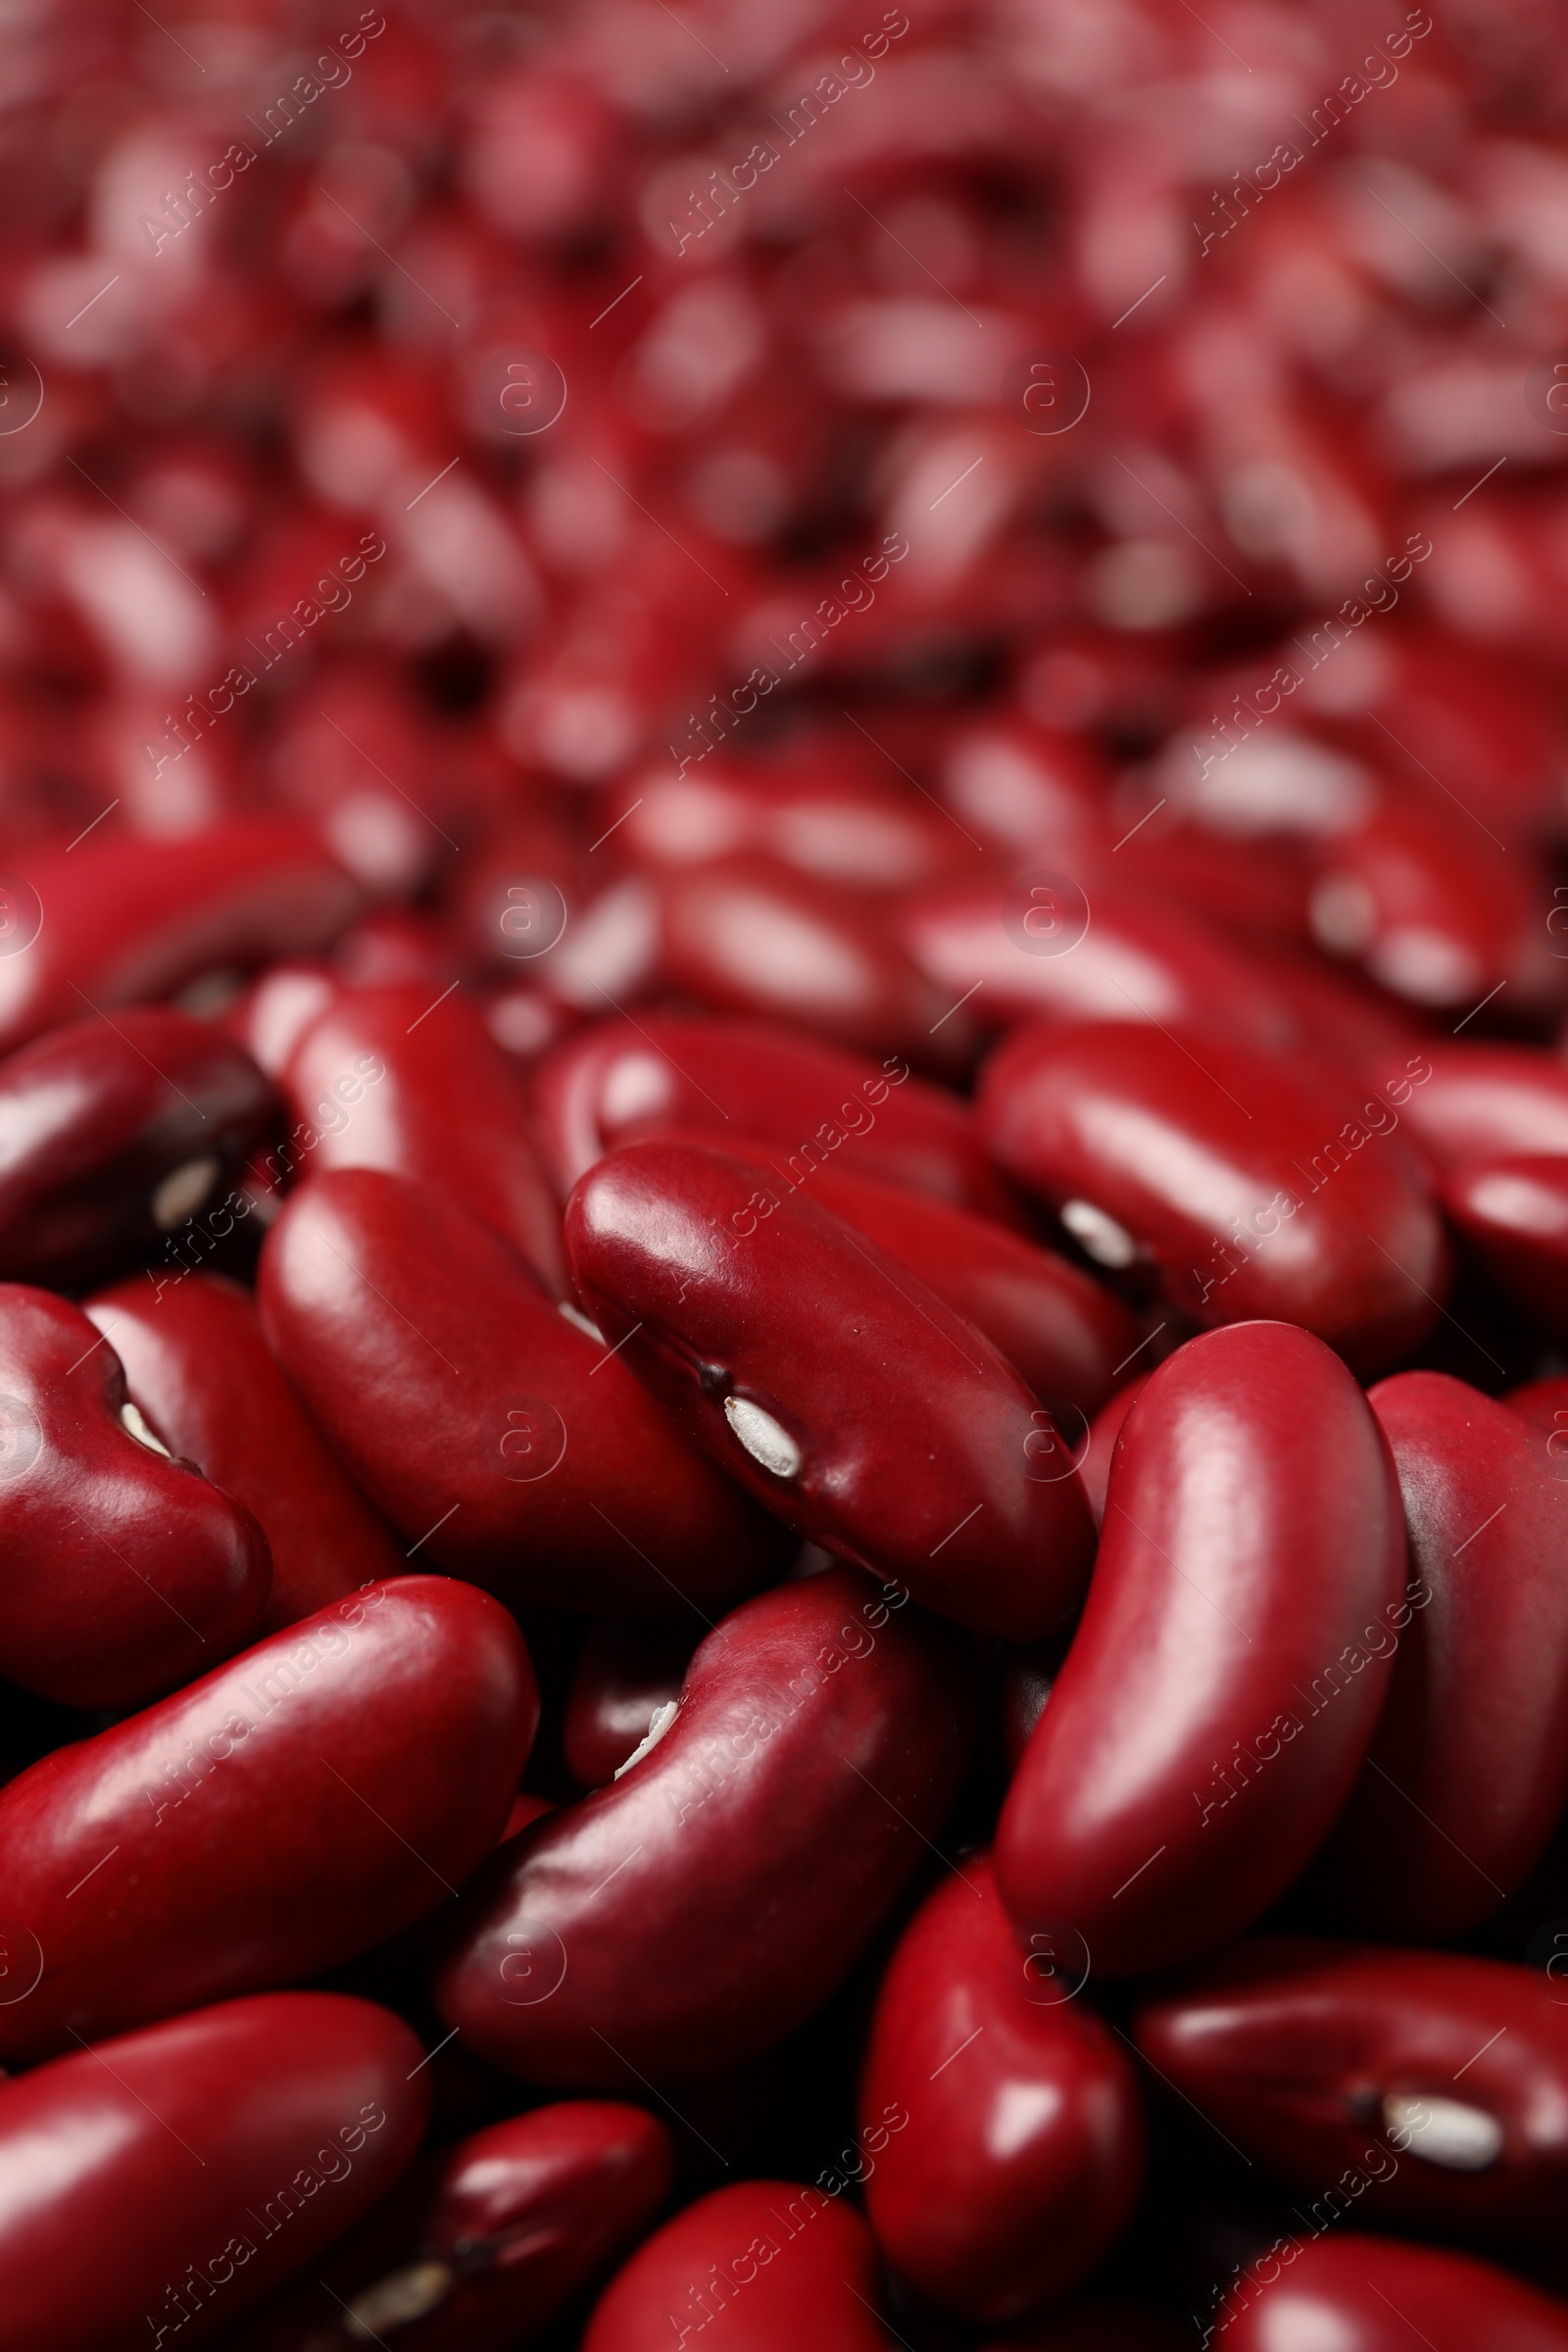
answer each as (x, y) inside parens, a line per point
(1479, 1102)
(1245, 1185)
(498, 1435)
(155, 2188)
(612, 1083)
(1469, 1768)
(1442, 2080)
(394, 1081)
(125, 1572)
(1018, 2157)
(833, 1384)
(766, 2265)
(625, 1673)
(1371, 2294)
(292, 1810)
(485, 2242)
(1220, 1692)
(695, 1911)
(201, 1373)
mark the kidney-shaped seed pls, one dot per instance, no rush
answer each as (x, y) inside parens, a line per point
(1373, 2294)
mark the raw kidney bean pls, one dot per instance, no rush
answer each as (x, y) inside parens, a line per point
(766, 2265)
(1367, 2294)
(1444, 2080)
(610, 1085)
(120, 920)
(1221, 1691)
(118, 1131)
(1020, 2154)
(906, 1443)
(1246, 1187)
(157, 2187)
(483, 2244)
(1479, 1101)
(292, 1810)
(695, 1911)
(1056, 1325)
(1468, 1770)
(202, 1374)
(501, 1436)
(420, 1089)
(1515, 1215)
(125, 1572)
(625, 1674)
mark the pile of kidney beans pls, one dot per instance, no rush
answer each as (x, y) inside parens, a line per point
(784, 1176)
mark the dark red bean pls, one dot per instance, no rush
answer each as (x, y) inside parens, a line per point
(999, 2118)
(1469, 1768)
(833, 1384)
(1220, 1692)
(1515, 1215)
(155, 2188)
(768, 2266)
(501, 1436)
(125, 1571)
(1245, 1185)
(388, 1078)
(296, 1807)
(695, 1911)
(202, 1374)
(1368, 2294)
(1440, 2082)
(1481, 1100)
(116, 1133)
(625, 1674)
(615, 1083)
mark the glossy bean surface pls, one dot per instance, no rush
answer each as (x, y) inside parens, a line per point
(625, 1672)
(1513, 1214)
(1367, 2294)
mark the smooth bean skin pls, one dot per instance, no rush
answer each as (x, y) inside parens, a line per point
(612, 1083)
(695, 1911)
(484, 2242)
(297, 1807)
(1022, 2156)
(1468, 1770)
(444, 1105)
(1247, 1185)
(1054, 1323)
(1515, 1215)
(1294, 2044)
(1221, 1689)
(1366, 2294)
(919, 1451)
(107, 1131)
(154, 2190)
(625, 1672)
(1094, 1471)
(766, 2265)
(124, 1573)
(129, 918)
(1482, 1101)
(481, 1420)
(201, 1372)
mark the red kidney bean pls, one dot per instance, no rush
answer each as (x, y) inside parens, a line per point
(693, 1912)
(200, 1371)
(612, 1083)
(1018, 2157)
(1468, 1770)
(823, 817)
(1220, 1692)
(1479, 1102)
(1515, 1215)
(766, 2265)
(125, 1572)
(498, 1434)
(155, 2188)
(906, 1443)
(1246, 1188)
(483, 2244)
(119, 1131)
(1373, 2294)
(296, 1807)
(1442, 2080)
(1055, 1324)
(625, 1674)
(119, 919)
(1094, 1471)
(417, 1087)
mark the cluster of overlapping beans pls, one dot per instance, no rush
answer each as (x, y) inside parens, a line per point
(784, 1179)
